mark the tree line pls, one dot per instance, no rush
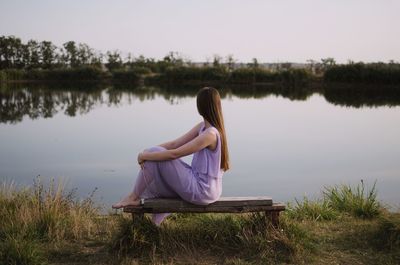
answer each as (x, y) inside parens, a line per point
(43, 60)
(15, 54)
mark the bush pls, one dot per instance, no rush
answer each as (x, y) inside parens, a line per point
(14, 74)
(187, 73)
(355, 201)
(141, 70)
(126, 75)
(252, 75)
(373, 73)
(294, 77)
(3, 76)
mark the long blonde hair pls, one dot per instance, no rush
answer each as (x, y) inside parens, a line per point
(209, 106)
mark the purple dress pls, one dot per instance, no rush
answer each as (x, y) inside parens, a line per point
(198, 183)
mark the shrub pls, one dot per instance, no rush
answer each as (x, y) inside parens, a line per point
(355, 201)
(14, 74)
(3, 76)
(373, 73)
(252, 75)
(126, 75)
(187, 73)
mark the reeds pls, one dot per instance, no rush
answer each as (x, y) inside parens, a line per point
(34, 220)
(30, 216)
(354, 200)
(338, 200)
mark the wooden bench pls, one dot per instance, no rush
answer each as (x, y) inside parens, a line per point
(223, 205)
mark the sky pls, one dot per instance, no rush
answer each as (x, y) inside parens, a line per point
(269, 30)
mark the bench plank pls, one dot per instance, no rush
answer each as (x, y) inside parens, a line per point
(223, 201)
(205, 209)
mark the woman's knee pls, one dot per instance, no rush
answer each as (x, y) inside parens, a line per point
(155, 149)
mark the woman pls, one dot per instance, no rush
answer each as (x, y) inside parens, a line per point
(164, 174)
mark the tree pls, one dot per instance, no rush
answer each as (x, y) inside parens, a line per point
(114, 60)
(230, 62)
(216, 60)
(254, 63)
(327, 62)
(71, 53)
(34, 53)
(10, 52)
(47, 50)
(84, 54)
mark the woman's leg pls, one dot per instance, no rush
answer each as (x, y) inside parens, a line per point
(133, 198)
(144, 180)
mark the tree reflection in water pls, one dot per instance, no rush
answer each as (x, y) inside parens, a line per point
(45, 100)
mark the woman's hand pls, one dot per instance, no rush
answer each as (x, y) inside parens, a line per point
(140, 160)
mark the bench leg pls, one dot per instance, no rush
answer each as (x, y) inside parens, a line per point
(273, 218)
(138, 216)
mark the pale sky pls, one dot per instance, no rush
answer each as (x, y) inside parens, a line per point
(270, 30)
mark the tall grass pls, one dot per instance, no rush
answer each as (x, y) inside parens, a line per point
(242, 236)
(41, 214)
(354, 200)
(35, 219)
(318, 210)
(337, 200)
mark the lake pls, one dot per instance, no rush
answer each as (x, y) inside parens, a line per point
(282, 144)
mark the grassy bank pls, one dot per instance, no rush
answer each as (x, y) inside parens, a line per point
(44, 224)
(172, 75)
(63, 74)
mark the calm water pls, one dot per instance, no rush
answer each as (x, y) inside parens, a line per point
(284, 146)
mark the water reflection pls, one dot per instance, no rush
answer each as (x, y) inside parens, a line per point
(284, 142)
(363, 96)
(45, 100)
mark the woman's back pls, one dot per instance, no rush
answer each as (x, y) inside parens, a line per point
(208, 162)
(206, 166)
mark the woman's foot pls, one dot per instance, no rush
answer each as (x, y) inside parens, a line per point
(127, 201)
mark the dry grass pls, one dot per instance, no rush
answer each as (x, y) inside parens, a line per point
(44, 224)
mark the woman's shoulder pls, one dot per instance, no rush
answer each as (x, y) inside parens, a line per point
(212, 131)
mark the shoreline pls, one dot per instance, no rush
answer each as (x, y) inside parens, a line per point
(347, 225)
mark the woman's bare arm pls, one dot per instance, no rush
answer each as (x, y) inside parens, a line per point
(201, 141)
(183, 139)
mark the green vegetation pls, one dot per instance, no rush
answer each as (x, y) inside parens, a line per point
(336, 200)
(45, 224)
(372, 73)
(44, 61)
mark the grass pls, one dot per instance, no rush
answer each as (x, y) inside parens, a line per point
(45, 224)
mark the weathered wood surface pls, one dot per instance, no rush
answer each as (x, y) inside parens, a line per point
(223, 205)
(223, 201)
(206, 209)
